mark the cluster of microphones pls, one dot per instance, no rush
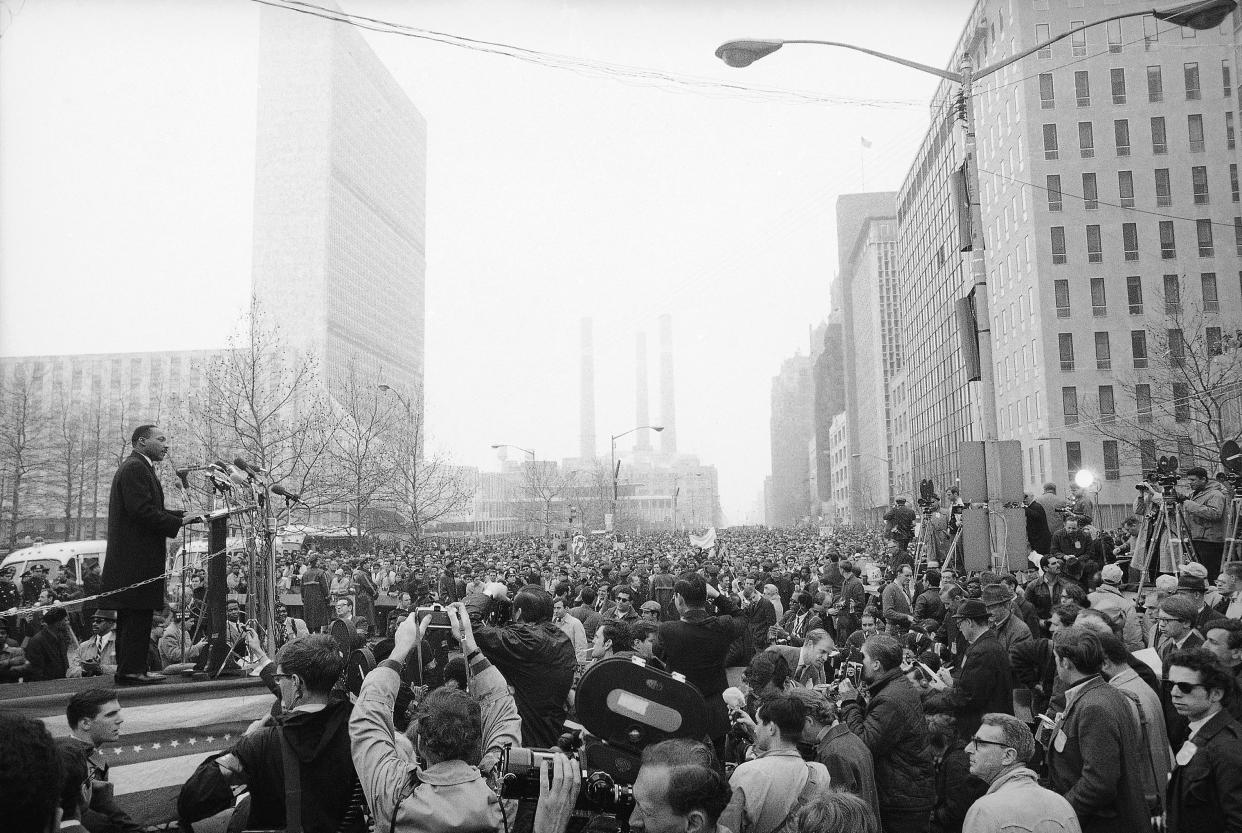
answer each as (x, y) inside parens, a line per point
(240, 474)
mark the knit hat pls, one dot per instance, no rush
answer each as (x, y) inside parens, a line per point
(1112, 574)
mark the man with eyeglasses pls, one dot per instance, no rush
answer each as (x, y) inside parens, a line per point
(1174, 623)
(97, 653)
(999, 753)
(1205, 790)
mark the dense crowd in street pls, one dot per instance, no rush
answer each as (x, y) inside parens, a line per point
(849, 684)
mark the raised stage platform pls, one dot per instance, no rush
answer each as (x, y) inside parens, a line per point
(169, 728)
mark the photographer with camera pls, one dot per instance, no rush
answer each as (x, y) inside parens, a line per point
(453, 732)
(697, 643)
(891, 724)
(769, 790)
(1204, 511)
(533, 654)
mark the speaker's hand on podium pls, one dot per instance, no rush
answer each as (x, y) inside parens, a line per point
(193, 518)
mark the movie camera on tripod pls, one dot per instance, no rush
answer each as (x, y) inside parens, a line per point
(624, 706)
(1165, 477)
(927, 496)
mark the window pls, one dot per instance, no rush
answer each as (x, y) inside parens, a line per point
(1114, 36)
(1207, 285)
(1078, 40)
(1172, 295)
(1103, 352)
(1159, 137)
(1095, 246)
(1203, 230)
(1058, 244)
(1065, 348)
(1181, 402)
(1129, 240)
(1121, 136)
(1112, 461)
(1099, 301)
(1194, 129)
(1054, 192)
(1237, 234)
(1119, 85)
(1051, 150)
(1138, 347)
(1199, 184)
(1073, 457)
(1225, 78)
(1215, 346)
(1090, 192)
(1061, 293)
(1147, 454)
(1069, 405)
(1233, 182)
(1086, 140)
(1042, 33)
(1082, 88)
(1142, 402)
(1191, 73)
(1155, 85)
(1151, 32)
(1186, 450)
(1168, 242)
(1047, 92)
(1164, 188)
(1229, 135)
(1108, 405)
(1134, 294)
(1125, 189)
(1177, 347)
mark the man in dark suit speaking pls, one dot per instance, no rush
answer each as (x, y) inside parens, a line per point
(138, 526)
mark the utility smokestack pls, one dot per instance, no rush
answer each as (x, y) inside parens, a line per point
(668, 404)
(586, 415)
(642, 415)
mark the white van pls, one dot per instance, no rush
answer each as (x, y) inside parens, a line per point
(70, 557)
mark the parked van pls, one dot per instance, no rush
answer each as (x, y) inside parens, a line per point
(70, 557)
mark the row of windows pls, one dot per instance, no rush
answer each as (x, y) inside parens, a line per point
(1173, 349)
(1205, 238)
(1114, 30)
(1196, 143)
(1178, 405)
(1200, 191)
(1171, 293)
(1118, 91)
(1073, 459)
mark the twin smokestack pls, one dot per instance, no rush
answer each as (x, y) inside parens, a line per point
(668, 405)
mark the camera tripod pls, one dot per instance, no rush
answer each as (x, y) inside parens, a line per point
(1231, 459)
(1162, 533)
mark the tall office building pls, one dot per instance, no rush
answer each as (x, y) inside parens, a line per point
(1111, 215)
(340, 193)
(866, 242)
(792, 431)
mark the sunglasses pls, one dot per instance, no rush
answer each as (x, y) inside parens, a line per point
(99, 619)
(1186, 688)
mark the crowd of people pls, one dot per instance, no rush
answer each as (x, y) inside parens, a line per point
(857, 680)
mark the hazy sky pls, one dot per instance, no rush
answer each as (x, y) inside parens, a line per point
(127, 170)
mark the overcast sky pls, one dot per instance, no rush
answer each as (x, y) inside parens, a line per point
(127, 176)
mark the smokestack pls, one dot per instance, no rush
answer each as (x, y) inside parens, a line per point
(642, 416)
(668, 405)
(586, 415)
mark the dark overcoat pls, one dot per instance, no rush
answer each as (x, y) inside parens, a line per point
(138, 529)
(1206, 792)
(1096, 759)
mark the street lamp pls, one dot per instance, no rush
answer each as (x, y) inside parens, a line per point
(1201, 14)
(529, 451)
(613, 457)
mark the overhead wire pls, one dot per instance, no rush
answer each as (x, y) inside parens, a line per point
(635, 75)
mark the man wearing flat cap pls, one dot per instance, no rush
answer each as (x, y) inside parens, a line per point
(1204, 510)
(984, 680)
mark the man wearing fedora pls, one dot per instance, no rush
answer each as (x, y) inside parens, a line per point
(1193, 587)
(984, 679)
(1010, 630)
(97, 653)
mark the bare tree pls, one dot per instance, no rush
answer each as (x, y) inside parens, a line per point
(25, 443)
(592, 493)
(544, 488)
(1184, 396)
(426, 486)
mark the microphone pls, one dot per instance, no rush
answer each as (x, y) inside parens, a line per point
(278, 489)
(246, 467)
(239, 477)
(221, 483)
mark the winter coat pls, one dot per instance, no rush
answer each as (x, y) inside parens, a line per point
(1205, 513)
(1205, 793)
(892, 726)
(1016, 802)
(138, 531)
(984, 683)
(696, 646)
